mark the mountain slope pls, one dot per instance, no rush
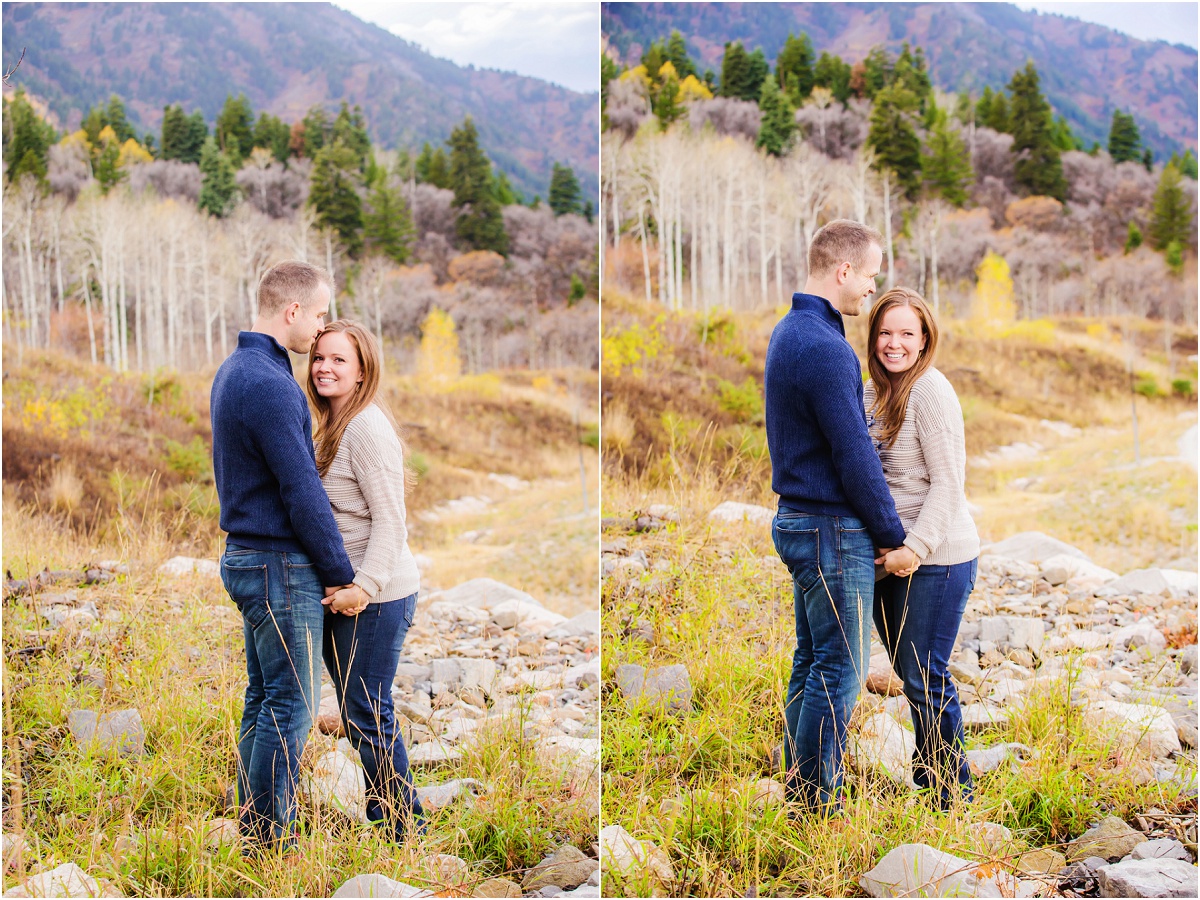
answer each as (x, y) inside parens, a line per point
(1087, 70)
(286, 57)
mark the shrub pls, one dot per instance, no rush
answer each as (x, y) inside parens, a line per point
(1182, 387)
(1146, 385)
(744, 401)
(191, 460)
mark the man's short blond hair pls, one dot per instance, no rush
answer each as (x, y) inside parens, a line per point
(291, 281)
(841, 240)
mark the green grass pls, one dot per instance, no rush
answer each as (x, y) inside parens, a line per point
(721, 604)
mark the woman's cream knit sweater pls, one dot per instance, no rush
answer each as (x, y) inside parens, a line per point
(365, 483)
(926, 470)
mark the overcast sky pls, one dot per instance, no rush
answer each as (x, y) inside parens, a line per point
(555, 41)
(1172, 22)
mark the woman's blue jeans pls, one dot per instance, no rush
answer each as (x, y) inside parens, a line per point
(279, 596)
(831, 560)
(361, 653)
(917, 619)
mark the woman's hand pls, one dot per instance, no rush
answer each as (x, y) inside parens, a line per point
(349, 601)
(902, 562)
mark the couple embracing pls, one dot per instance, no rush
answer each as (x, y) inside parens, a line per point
(872, 522)
(316, 559)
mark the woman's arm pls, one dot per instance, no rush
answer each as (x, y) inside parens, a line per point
(939, 425)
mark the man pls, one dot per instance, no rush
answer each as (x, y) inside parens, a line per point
(834, 505)
(283, 548)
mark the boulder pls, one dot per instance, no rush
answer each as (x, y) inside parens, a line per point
(1148, 878)
(1110, 839)
(1136, 725)
(67, 880)
(586, 624)
(1075, 567)
(884, 744)
(378, 886)
(664, 689)
(497, 887)
(742, 512)
(988, 759)
(1042, 861)
(186, 565)
(881, 679)
(122, 731)
(991, 838)
(222, 832)
(767, 792)
(567, 867)
(336, 781)
(1033, 547)
(1187, 660)
(1161, 848)
(639, 862)
(439, 796)
(917, 870)
(16, 851)
(1172, 582)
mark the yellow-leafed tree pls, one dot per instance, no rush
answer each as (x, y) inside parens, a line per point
(994, 304)
(693, 88)
(438, 357)
(132, 152)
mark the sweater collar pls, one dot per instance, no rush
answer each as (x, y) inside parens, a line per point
(256, 340)
(820, 306)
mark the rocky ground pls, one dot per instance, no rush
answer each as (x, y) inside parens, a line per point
(481, 659)
(1124, 646)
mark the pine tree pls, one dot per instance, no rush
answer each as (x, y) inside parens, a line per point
(998, 117)
(235, 129)
(735, 73)
(387, 222)
(1148, 160)
(479, 223)
(947, 165)
(107, 164)
(1038, 165)
(27, 138)
(272, 134)
(503, 191)
(759, 68)
(1171, 213)
(678, 55)
(910, 71)
(1124, 139)
(778, 119)
(794, 68)
(317, 128)
(174, 132)
(667, 107)
(564, 190)
(351, 129)
(877, 73)
(114, 116)
(983, 106)
(218, 189)
(433, 167)
(893, 135)
(1062, 137)
(197, 134)
(333, 194)
(653, 58)
(833, 73)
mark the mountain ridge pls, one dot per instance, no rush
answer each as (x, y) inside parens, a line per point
(968, 46)
(286, 57)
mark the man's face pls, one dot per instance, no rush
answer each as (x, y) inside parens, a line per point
(860, 283)
(307, 321)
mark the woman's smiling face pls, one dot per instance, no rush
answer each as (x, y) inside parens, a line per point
(900, 340)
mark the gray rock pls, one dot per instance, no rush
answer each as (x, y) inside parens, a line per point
(669, 688)
(483, 593)
(621, 854)
(439, 796)
(1110, 839)
(1171, 582)
(585, 624)
(1183, 714)
(1161, 848)
(122, 731)
(68, 880)
(567, 867)
(336, 781)
(185, 565)
(1187, 660)
(432, 754)
(1033, 547)
(988, 759)
(730, 511)
(1148, 878)
(378, 886)
(630, 679)
(912, 870)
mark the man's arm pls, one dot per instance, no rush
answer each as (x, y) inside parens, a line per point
(839, 413)
(287, 448)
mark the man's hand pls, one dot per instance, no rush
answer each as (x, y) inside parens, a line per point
(880, 553)
(902, 562)
(349, 601)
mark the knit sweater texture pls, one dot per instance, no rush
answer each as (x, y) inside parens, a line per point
(823, 461)
(263, 460)
(365, 483)
(926, 470)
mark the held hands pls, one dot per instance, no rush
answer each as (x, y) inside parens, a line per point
(901, 561)
(349, 600)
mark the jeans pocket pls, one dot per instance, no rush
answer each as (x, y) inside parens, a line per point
(247, 585)
(800, 549)
(410, 609)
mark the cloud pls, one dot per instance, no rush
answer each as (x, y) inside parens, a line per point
(1171, 22)
(557, 41)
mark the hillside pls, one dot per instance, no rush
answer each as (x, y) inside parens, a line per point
(1087, 70)
(287, 57)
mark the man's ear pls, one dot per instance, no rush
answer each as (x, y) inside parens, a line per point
(843, 272)
(291, 311)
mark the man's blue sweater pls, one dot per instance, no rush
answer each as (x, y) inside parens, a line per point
(823, 461)
(266, 470)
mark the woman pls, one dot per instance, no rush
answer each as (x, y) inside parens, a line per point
(916, 421)
(361, 461)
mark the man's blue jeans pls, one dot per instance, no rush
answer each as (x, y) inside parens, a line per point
(918, 618)
(833, 574)
(279, 596)
(361, 653)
